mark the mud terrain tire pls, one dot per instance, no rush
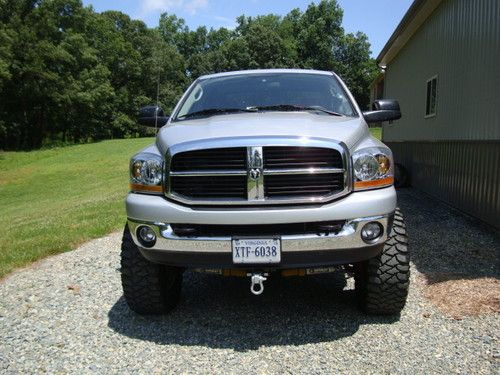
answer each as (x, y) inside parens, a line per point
(382, 282)
(148, 288)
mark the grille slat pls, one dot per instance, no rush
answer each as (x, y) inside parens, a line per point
(291, 189)
(283, 180)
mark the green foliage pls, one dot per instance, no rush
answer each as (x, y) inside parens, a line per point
(376, 132)
(71, 75)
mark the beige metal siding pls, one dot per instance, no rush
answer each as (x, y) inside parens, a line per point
(460, 43)
(465, 174)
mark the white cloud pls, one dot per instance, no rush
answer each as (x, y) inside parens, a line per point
(223, 19)
(190, 6)
(193, 6)
(228, 23)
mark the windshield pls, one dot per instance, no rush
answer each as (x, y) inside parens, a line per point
(266, 92)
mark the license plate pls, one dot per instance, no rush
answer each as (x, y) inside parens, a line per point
(256, 250)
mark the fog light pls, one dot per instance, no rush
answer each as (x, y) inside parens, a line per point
(146, 236)
(371, 232)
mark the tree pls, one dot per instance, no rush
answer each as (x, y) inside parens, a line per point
(357, 68)
(267, 48)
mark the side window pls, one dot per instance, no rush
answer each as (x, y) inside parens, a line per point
(431, 98)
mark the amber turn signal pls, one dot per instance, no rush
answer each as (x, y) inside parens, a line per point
(146, 188)
(374, 183)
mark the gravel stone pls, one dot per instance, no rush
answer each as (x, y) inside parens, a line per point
(66, 314)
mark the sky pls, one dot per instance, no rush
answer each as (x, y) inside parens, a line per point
(376, 18)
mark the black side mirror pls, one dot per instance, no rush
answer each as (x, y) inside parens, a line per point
(383, 110)
(152, 115)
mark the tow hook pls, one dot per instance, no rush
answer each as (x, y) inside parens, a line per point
(257, 282)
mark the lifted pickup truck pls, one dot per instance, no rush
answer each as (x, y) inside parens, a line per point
(259, 174)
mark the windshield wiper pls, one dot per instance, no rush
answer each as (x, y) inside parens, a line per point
(214, 111)
(291, 107)
(279, 107)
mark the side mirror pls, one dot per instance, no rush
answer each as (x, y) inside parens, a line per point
(383, 110)
(152, 115)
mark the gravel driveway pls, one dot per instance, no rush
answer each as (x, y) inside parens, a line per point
(66, 314)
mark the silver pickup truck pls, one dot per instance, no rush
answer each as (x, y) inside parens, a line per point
(264, 173)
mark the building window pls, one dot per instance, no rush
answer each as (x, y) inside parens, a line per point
(431, 101)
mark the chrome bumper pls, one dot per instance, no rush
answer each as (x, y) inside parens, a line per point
(349, 237)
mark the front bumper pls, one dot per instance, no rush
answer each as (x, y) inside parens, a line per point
(298, 250)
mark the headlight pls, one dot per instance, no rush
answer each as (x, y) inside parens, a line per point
(372, 168)
(146, 173)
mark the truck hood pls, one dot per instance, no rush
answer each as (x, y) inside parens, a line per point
(303, 124)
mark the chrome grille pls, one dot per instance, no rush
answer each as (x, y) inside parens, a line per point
(256, 172)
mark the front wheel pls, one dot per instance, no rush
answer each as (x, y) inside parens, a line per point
(382, 282)
(148, 288)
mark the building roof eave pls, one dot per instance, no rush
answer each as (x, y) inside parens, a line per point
(417, 14)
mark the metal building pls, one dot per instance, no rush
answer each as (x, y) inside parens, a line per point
(443, 65)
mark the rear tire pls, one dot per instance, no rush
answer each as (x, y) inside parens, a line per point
(401, 176)
(148, 288)
(382, 282)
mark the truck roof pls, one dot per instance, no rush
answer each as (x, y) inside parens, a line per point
(266, 71)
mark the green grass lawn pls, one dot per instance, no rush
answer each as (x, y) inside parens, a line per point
(53, 200)
(376, 132)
